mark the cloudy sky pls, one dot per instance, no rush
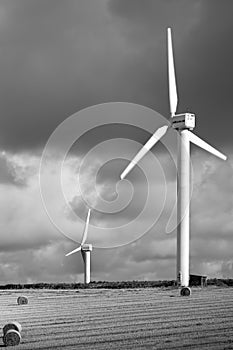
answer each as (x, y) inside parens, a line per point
(58, 59)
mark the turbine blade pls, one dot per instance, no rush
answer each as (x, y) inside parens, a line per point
(150, 143)
(199, 142)
(86, 228)
(74, 251)
(173, 98)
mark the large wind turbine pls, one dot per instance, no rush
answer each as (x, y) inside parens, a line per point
(182, 123)
(86, 251)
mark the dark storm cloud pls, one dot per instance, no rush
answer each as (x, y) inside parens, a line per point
(52, 65)
(57, 57)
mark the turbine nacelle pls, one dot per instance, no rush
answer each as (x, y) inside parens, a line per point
(86, 248)
(183, 121)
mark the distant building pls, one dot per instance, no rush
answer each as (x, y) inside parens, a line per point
(198, 280)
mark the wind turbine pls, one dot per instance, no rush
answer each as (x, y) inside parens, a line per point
(182, 123)
(86, 251)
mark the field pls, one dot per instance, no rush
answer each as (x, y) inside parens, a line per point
(152, 318)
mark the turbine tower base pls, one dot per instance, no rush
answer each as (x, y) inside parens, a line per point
(86, 254)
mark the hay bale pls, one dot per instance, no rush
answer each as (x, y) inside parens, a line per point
(22, 300)
(11, 338)
(185, 292)
(12, 325)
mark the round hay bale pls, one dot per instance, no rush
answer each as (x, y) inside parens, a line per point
(22, 300)
(185, 292)
(11, 338)
(12, 325)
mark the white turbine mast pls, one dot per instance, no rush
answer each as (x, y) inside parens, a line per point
(182, 123)
(86, 251)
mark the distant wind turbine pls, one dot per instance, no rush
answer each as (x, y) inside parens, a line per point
(86, 251)
(182, 123)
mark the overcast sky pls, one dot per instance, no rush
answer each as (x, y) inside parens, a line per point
(57, 58)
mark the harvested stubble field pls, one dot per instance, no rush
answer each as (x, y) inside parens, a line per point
(153, 318)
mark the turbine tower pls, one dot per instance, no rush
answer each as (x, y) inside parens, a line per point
(182, 123)
(86, 251)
